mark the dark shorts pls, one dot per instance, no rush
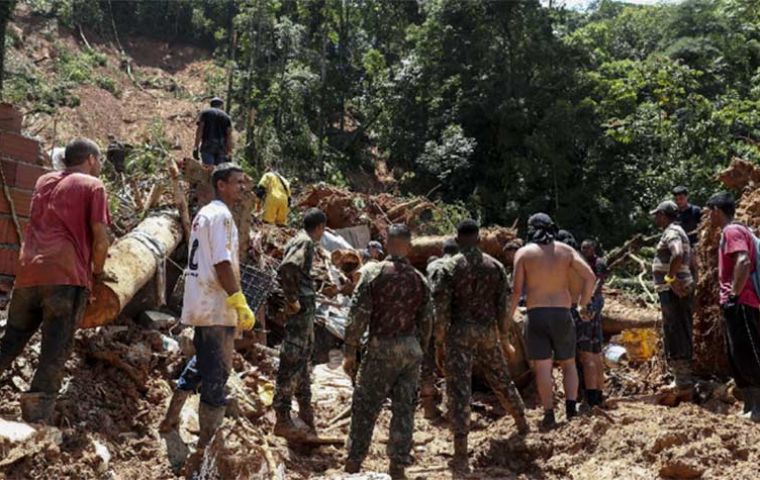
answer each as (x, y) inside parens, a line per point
(589, 335)
(550, 330)
(211, 365)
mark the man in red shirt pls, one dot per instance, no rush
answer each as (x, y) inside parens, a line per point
(739, 300)
(65, 247)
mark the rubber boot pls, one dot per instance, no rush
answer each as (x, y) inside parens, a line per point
(285, 428)
(306, 414)
(521, 422)
(429, 408)
(37, 407)
(571, 409)
(210, 419)
(549, 421)
(352, 466)
(749, 401)
(397, 471)
(460, 463)
(171, 420)
(754, 401)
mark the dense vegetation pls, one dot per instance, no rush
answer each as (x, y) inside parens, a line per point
(507, 107)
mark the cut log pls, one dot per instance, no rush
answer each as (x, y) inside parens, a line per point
(492, 242)
(618, 316)
(130, 265)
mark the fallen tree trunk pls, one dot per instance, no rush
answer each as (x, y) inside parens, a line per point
(617, 317)
(492, 241)
(130, 265)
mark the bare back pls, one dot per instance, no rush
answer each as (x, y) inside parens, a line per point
(546, 272)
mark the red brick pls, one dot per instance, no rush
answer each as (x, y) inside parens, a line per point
(10, 118)
(21, 175)
(8, 260)
(21, 148)
(8, 229)
(22, 200)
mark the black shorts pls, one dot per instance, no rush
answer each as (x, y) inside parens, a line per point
(589, 335)
(550, 333)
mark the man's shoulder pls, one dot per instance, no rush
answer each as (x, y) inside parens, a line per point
(215, 209)
(78, 180)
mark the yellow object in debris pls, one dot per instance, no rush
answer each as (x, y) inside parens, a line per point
(639, 343)
(265, 392)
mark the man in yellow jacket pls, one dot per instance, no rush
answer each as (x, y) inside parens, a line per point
(275, 191)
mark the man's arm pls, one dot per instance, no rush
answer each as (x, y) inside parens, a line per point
(518, 286)
(501, 308)
(198, 135)
(226, 277)
(358, 315)
(742, 269)
(676, 257)
(440, 283)
(580, 266)
(228, 141)
(100, 245)
(425, 317)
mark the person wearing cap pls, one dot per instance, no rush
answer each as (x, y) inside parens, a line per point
(213, 135)
(470, 296)
(374, 252)
(429, 396)
(739, 300)
(675, 287)
(688, 215)
(542, 272)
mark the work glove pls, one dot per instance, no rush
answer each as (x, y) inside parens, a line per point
(246, 318)
(196, 154)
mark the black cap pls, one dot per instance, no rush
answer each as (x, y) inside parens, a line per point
(541, 220)
(680, 190)
(468, 227)
(216, 101)
(668, 207)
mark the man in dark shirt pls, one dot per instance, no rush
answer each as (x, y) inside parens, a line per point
(213, 136)
(688, 215)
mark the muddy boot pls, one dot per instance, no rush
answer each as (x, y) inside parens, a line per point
(460, 463)
(306, 414)
(752, 403)
(548, 422)
(397, 471)
(352, 466)
(171, 420)
(429, 408)
(285, 428)
(521, 422)
(210, 419)
(37, 407)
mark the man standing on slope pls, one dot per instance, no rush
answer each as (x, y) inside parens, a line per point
(739, 300)
(471, 305)
(542, 272)
(213, 135)
(213, 304)
(64, 250)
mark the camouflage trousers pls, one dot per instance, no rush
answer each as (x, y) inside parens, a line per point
(391, 368)
(468, 345)
(294, 373)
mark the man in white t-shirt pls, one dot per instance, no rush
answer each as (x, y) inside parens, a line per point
(213, 304)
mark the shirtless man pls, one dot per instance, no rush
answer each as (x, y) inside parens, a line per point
(543, 269)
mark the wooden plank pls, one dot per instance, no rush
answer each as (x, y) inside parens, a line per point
(21, 175)
(22, 199)
(8, 229)
(8, 260)
(10, 118)
(22, 149)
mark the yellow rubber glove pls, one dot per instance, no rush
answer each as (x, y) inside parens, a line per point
(246, 318)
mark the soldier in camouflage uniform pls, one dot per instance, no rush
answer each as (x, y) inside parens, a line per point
(293, 375)
(429, 396)
(392, 301)
(471, 305)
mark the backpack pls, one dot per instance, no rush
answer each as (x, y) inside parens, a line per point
(755, 272)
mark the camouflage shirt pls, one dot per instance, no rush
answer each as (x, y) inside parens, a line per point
(295, 269)
(392, 299)
(471, 288)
